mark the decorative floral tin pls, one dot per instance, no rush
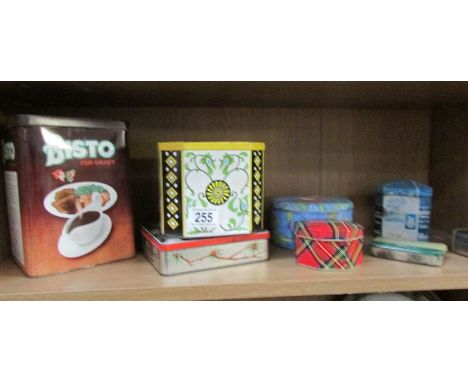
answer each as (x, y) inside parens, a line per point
(329, 244)
(287, 211)
(211, 188)
(403, 210)
(171, 256)
(409, 251)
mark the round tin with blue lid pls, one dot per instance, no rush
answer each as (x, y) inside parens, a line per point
(289, 210)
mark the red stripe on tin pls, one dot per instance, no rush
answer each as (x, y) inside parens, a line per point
(202, 242)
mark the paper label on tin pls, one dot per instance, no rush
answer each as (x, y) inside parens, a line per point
(404, 218)
(202, 219)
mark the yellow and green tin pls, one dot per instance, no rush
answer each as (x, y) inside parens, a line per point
(211, 188)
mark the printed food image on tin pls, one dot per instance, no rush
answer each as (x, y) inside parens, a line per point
(83, 204)
(74, 197)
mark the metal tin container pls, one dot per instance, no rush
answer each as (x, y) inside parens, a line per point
(67, 193)
(403, 210)
(409, 251)
(329, 245)
(211, 188)
(172, 256)
(460, 241)
(287, 211)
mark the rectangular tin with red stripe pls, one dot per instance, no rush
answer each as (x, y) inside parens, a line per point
(172, 256)
(329, 245)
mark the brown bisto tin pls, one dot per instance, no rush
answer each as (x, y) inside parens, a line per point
(67, 193)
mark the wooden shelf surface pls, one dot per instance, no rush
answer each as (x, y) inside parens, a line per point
(280, 277)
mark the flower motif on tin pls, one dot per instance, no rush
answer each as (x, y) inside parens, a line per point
(219, 182)
(218, 192)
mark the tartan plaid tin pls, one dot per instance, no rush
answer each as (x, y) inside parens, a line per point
(328, 245)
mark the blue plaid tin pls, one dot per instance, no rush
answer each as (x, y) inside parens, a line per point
(289, 210)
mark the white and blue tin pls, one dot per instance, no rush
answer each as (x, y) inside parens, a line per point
(403, 210)
(289, 210)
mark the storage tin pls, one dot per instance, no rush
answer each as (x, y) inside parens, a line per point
(329, 244)
(426, 253)
(403, 210)
(211, 188)
(287, 211)
(67, 193)
(460, 241)
(171, 256)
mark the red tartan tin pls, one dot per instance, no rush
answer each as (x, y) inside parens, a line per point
(331, 244)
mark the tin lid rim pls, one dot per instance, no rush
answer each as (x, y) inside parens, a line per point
(359, 235)
(282, 204)
(31, 120)
(313, 238)
(202, 242)
(210, 146)
(405, 187)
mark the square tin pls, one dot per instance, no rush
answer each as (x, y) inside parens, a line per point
(67, 193)
(211, 188)
(403, 210)
(171, 255)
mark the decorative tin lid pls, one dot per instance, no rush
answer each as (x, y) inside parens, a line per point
(423, 247)
(329, 230)
(51, 121)
(405, 188)
(170, 243)
(181, 146)
(312, 204)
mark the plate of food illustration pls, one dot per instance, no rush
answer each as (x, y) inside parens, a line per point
(69, 199)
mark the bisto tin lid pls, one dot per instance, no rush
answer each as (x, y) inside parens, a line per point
(26, 120)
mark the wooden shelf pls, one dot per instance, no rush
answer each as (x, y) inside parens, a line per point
(280, 277)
